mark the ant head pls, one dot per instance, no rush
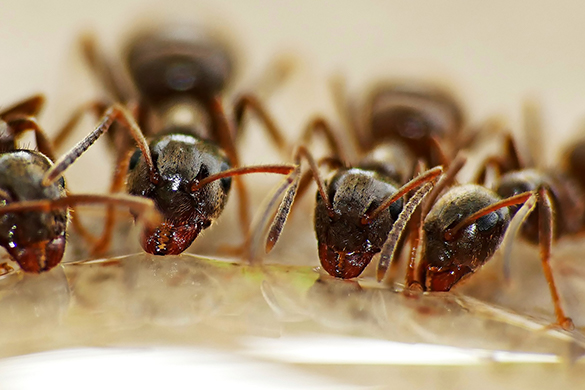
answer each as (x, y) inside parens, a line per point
(415, 114)
(448, 259)
(181, 161)
(178, 61)
(36, 240)
(346, 244)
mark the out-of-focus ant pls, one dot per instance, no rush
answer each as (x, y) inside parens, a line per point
(187, 164)
(34, 211)
(358, 206)
(464, 227)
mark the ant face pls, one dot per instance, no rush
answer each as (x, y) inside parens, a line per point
(346, 244)
(171, 63)
(448, 259)
(181, 161)
(36, 240)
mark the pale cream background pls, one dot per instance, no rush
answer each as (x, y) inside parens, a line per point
(494, 54)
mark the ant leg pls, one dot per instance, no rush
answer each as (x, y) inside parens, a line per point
(20, 124)
(108, 76)
(274, 74)
(226, 141)
(545, 237)
(102, 245)
(290, 189)
(447, 179)
(96, 108)
(348, 114)
(533, 133)
(29, 107)
(249, 102)
(320, 125)
(119, 113)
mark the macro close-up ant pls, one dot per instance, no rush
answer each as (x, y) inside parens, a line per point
(184, 165)
(35, 207)
(358, 205)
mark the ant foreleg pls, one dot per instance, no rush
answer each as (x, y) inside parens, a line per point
(249, 102)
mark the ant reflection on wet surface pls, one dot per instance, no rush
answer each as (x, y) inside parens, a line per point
(34, 211)
(358, 207)
(186, 166)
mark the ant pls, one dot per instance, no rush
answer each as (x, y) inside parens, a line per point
(34, 211)
(358, 206)
(186, 165)
(466, 225)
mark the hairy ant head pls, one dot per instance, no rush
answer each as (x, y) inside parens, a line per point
(346, 244)
(181, 161)
(35, 239)
(450, 257)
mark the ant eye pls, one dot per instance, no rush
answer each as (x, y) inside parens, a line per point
(487, 222)
(134, 159)
(203, 173)
(61, 182)
(226, 182)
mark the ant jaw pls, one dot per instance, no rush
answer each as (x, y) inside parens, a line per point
(440, 279)
(341, 264)
(40, 256)
(169, 238)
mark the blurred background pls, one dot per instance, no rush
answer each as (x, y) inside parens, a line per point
(493, 55)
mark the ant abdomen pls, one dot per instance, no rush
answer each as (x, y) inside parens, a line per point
(36, 240)
(346, 243)
(415, 114)
(175, 62)
(450, 258)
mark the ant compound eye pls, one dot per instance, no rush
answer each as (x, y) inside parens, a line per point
(226, 182)
(134, 159)
(203, 173)
(487, 222)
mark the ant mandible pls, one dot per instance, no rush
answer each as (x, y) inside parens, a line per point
(34, 212)
(186, 166)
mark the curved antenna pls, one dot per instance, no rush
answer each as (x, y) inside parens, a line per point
(511, 201)
(137, 204)
(119, 113)
(389, 248)
(425, 177)
(447, 179)
(278, 169)
(20, 124)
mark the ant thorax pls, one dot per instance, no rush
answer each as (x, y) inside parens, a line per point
(346, 244)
